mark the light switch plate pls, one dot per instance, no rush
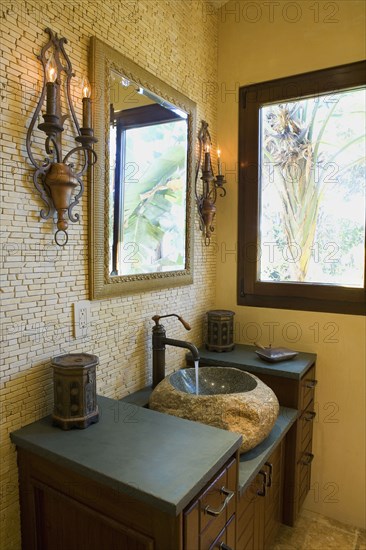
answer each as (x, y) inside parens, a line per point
(82, 318)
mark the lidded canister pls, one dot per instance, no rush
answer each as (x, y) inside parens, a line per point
(220, 330)
(74, 385)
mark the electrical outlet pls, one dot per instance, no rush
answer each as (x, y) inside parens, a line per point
(81, 319)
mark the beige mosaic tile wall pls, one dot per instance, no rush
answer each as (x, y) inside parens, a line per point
(177, 41)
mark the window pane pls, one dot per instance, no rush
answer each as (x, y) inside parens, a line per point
(312, 190)
(153, 204)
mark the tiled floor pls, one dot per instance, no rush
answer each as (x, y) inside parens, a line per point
(316, 532)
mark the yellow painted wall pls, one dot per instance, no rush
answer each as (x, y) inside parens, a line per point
(40, 281)
(260, 41)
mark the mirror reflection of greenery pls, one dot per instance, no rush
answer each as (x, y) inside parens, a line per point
(154, 198)
(315, 149)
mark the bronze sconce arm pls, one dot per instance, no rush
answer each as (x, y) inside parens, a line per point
(57, 181)
(207, 198)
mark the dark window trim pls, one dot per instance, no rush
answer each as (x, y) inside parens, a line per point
(250, 291)
(146, 115)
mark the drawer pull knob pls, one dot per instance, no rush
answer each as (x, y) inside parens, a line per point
(229, 496)
(307, 459)
(224, 546)
(262, 492)
(310, 415)
(311, 383)
(270, 468)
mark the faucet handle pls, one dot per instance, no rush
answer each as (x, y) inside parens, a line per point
(184, 323)
(157, 318)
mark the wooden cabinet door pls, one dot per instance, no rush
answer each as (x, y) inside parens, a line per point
(260, 506)
(274, 494)
(250, 523)
(62, 523)
(62, 510)
(245, 518)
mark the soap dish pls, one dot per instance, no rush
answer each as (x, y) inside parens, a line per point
(274, 355)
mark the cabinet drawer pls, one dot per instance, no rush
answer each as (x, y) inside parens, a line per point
(306, 457)
(306, 422)
(217, 504)
(226, 536)
(304, 473)
(214, 509)
(307, 388)
(304, 487)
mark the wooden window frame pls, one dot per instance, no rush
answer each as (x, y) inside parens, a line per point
(284, 295)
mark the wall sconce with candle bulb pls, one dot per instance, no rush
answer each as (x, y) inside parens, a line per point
(58, 182)
(210, 184)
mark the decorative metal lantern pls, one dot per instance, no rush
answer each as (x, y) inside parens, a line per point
(74, 383)
(220, 330)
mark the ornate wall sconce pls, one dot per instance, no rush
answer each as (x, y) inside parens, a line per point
(207, 199)
(57, 181)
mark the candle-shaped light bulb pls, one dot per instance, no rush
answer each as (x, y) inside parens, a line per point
(86, 102)
(51, 86)
(219, 170)
(51, 69)
(207, 164)
(86, 87)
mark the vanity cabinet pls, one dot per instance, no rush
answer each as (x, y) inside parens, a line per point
(135, 480)
(294, 383)
(61, 509)
(260, 505)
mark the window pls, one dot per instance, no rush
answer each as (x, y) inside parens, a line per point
(302, 192)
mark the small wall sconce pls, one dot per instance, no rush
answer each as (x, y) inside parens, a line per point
(55, 179)
(207, 199)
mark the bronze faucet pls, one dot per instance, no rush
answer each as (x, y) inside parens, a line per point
(159, 341)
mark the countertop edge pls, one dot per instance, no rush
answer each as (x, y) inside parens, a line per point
(253, 364)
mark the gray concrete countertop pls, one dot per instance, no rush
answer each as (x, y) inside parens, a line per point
(244, 357)
(157, 458)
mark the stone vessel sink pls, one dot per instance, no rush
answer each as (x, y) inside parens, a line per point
(228, 398)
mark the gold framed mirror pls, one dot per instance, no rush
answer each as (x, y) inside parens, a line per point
(140, 203)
